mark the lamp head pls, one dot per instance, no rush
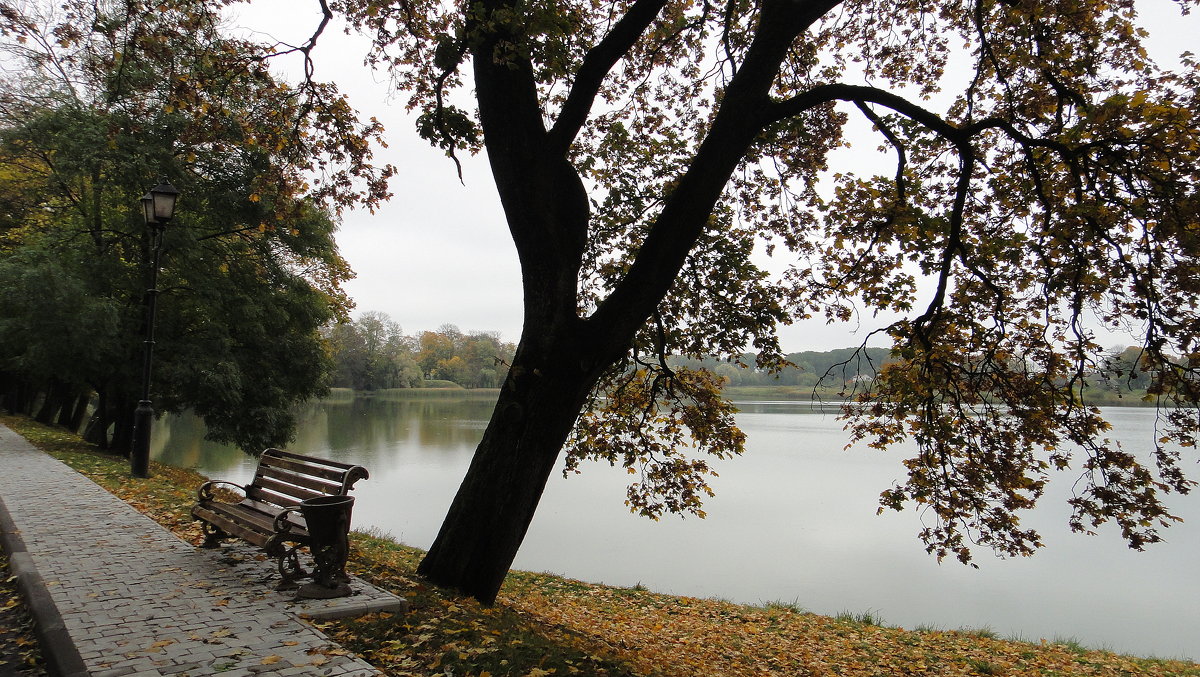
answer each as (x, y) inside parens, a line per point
(159, 204)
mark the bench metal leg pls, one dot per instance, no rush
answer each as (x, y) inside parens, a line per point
(212, 535)
(287, 558)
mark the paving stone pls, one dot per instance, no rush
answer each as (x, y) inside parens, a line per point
(138, 602)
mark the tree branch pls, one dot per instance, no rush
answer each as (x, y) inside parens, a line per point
(966, 167)
(596, 65)
(823, 94)
(744, 112)
(310, 44)
(901, 151)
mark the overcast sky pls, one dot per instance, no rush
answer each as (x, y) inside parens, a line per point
(439, 252)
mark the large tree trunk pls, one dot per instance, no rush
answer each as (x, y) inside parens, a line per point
(79, 411)
(96, 431)
(122, 438)
(56, 397)
(562, 356)
(495, 504)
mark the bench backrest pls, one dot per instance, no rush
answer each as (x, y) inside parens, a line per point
(284, 479)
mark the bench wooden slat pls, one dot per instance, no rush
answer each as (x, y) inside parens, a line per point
(241, 513)
(290, 490)
(304, 467)
(271, 509)
(247, 515)
(325, 487)
(309, 459)
(275, 498)
(233, 527)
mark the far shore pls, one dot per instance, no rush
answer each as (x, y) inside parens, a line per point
(822, 396)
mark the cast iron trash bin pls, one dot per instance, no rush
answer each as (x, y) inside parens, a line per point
(328, 520)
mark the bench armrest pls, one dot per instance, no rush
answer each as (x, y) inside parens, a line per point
(282, 525)
(204, 493)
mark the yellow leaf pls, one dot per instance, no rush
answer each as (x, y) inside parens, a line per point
(271, 660)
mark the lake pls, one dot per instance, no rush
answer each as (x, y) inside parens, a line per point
(794, 521)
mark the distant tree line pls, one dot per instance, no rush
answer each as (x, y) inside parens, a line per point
(807, 368)
(372, 353)
(1121, 369)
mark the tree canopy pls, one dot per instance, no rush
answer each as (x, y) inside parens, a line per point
(372, 353)
(101, 100)
(1042, 187)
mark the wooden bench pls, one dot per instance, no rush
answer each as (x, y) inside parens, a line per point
(268, 514)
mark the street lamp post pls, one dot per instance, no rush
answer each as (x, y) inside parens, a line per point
(158, 206)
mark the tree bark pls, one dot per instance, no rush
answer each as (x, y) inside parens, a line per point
(48, 409)
(57, 395)
(79, 411)
(495, 504)
(122, 438)
(97, 428)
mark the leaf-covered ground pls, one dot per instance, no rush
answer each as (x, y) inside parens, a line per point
(19, 650)
(548, 625)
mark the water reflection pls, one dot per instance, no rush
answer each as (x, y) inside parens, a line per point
(377, 429)
(179, 441)
(374, 432)
(793, 520)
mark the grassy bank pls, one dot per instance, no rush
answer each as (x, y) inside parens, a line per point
(441, 392)
(544, 624)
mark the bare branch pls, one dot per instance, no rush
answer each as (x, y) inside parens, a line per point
(901, 153)
(310, 44)
(596, 65)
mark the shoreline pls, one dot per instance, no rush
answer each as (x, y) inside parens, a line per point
(821, 397)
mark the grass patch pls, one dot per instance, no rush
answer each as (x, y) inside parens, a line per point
(867, 617)
(780, 605)
(543, 624)
(1071, 644)
(984, 667)
(453, 391)
(434, 383)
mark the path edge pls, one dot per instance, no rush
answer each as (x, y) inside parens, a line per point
(61, 656)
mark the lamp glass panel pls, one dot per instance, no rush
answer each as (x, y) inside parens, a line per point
(148, 208)
(164, 201)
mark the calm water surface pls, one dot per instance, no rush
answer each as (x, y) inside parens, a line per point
(793, 521)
